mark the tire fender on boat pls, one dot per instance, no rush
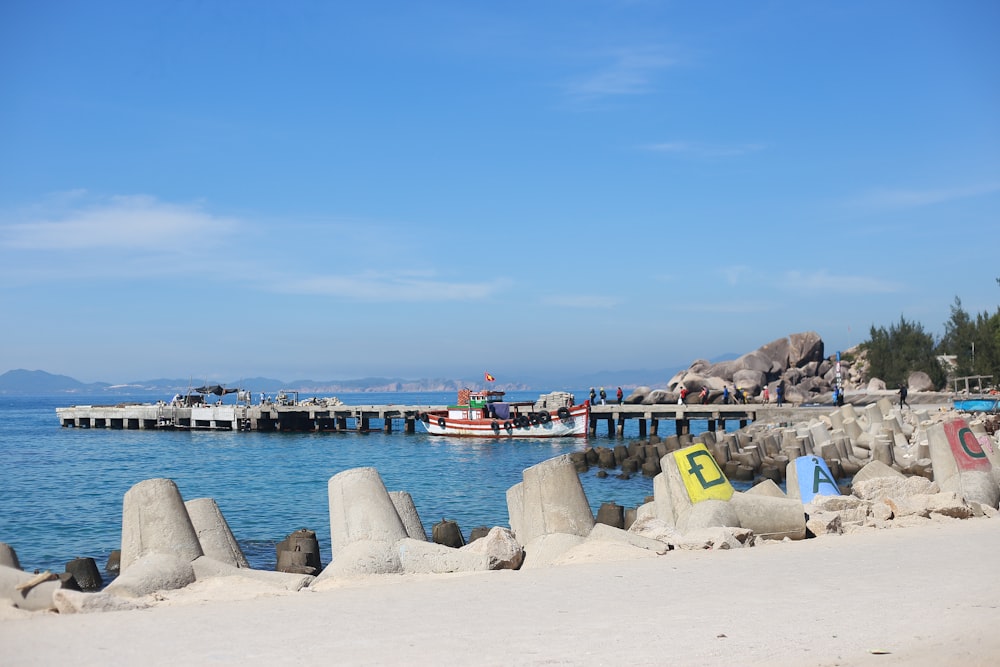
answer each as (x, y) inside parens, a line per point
(544, 417)
(495, 426)
(507, 426)
(424, 417)
(563, 413)
(441, 422)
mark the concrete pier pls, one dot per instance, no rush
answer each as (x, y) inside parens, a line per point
(615, 416)
(264, 417)
(307, 416)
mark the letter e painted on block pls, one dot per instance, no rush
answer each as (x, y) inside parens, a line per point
(703, 479)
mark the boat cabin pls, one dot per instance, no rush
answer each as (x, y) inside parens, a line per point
(482, 405)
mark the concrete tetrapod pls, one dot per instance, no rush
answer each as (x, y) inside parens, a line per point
(155, 520)
(407, 511)
(770, 518)
(692, 475)
(8, 557)
(553, 501)
(809, 476)
(216, 539)
(361, 510)
(28, 591)
(960, 464)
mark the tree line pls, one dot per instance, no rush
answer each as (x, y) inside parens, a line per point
(973, 341)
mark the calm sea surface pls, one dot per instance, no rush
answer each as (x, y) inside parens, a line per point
(61, 488)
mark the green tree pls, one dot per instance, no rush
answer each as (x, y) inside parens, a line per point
(959, 334)
(975, 343)
(905, 347)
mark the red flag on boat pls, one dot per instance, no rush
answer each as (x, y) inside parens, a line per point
(489, 378)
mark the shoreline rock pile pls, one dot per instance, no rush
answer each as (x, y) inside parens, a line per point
(908, 468)
(797, 364)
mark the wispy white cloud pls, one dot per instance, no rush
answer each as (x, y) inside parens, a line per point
(823, 280)
(390, 286)
(629, 72)
(888, 198)
(700, 150)
(125, 222)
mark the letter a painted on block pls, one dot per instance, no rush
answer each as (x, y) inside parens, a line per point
(703, 479)
(814, 478)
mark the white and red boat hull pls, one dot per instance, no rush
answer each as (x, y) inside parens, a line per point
(566, 422)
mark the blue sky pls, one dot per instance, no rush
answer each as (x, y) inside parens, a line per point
(435, 189)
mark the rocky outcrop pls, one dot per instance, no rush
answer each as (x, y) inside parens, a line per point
(795, 363)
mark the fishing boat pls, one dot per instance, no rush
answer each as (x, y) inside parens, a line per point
(485, 414)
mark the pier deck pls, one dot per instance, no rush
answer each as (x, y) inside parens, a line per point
(615, 416)
(266, 417)
(319, 417)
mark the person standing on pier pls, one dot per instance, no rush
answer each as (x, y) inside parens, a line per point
(725, 395)
(779, 395)
(619, 396)
(684, 394)
(604, 397)
(902, 396)
(766, 395)
(593, 396)
(704, 395)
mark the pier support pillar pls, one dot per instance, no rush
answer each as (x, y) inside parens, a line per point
(341, 423)
(620, 431)
(409, 425)
(654, 426)
(682, 426)
(611, 427)
(593, 426)
(387, 425)
(362, 423)
(642, 428)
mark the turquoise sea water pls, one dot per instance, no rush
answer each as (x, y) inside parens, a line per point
(61, 488)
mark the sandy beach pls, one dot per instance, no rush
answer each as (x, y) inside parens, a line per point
(924, 595)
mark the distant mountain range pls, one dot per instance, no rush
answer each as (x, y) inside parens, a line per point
(38, 382)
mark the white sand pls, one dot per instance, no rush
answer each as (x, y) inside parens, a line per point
(926, 595)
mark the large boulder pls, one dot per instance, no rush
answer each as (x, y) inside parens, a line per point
(754, 361)
(777, 351)
(919, 381)
(724, 369)
(659, 397)
(804, 347)
(637, 396)
(501, 549)
(750, 381)
(876, 384)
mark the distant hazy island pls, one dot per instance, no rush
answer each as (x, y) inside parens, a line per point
(37, 382)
